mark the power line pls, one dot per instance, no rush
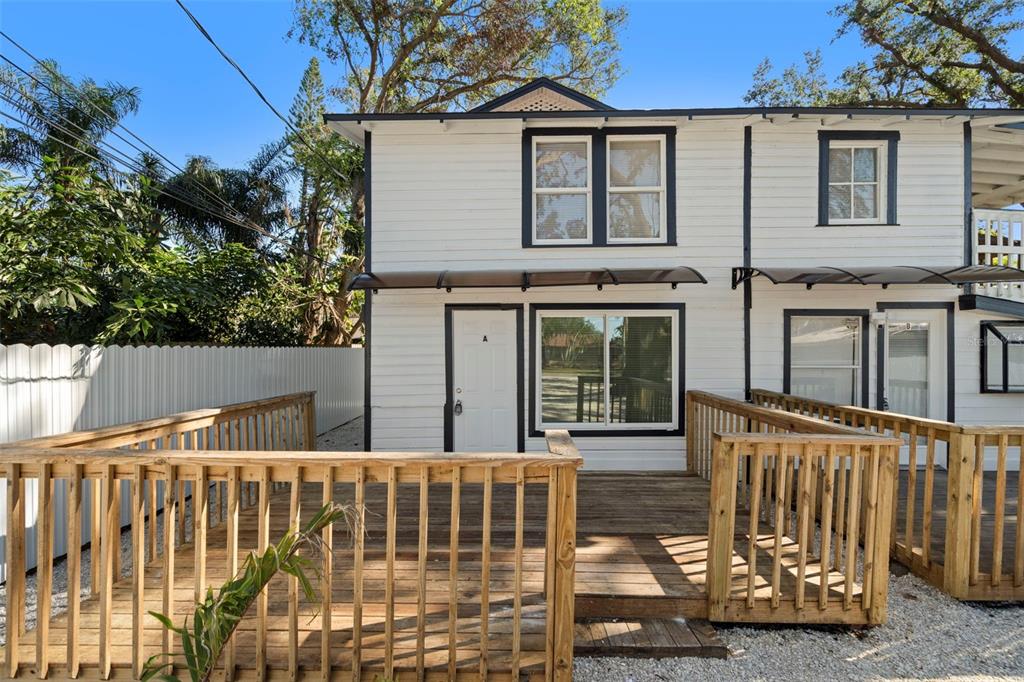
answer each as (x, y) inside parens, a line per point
(101, 158)
(161, 188)
(288, 124)
(181, 195)
(117, 124)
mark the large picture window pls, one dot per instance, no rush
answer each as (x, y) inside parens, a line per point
(825, 355)
(1002, 357)
(606, 369)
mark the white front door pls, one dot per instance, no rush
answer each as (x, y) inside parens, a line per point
(484, 386)
(915, 362)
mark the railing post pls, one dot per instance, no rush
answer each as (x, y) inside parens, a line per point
(721, 526)
(691, 440)
(565, 573)
(310, 425)
(15, 565)
(959, 507)
(885, 482)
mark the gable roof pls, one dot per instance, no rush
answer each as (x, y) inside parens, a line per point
(543, 94)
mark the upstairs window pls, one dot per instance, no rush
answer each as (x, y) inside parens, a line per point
(857, 178)
(855, 183)
(636, 189)
(1002, 357)
(599, 187)
(562, 190)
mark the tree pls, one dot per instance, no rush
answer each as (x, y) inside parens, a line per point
(67, 120)
(256, 193)
(328, 232)
(409, 55)
(925, 53)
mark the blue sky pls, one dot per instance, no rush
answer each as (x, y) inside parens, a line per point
(675, 54)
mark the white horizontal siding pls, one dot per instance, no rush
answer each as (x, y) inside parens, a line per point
(784, 200)
(454, 200)
(408, 387)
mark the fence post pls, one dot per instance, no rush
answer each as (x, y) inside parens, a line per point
(886, 479)
(959, 507)
(691, 439)
(721, 526)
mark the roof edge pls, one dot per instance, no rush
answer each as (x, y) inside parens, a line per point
(795, 112)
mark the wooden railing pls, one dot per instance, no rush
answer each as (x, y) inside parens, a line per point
(957, 504)
(1000, 241)
(285, 422)
(407, 591)
(773, 475)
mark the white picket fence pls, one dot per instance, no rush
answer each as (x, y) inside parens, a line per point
(46, 390)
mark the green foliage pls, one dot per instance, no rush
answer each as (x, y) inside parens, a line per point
(924, 53)
(217, 617)
(60, 111)
(408, 55)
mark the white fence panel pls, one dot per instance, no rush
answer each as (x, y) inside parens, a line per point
(47, 390)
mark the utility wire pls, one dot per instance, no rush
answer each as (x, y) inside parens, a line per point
(160, 187)
(216, 197)
(288, 124)
(181, 195)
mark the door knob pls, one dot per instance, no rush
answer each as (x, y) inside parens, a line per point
(458, 407)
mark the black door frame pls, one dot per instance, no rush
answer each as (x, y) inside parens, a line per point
(449, 373)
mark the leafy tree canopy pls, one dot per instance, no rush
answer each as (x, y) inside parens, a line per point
(925, 53)
(409, 55)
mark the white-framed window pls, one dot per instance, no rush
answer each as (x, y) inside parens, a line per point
(562, 188)
(857, 181)
(636, 189)
(825, 358)
(607, 369)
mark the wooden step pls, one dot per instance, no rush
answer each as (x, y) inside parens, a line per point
(648, 638)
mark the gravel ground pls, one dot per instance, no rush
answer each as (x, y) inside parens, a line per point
(929, 636)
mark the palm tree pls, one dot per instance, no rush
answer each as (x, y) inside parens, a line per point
(66, 121)
(218, 199)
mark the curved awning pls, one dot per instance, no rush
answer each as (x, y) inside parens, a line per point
(524, 279)
(884, 276)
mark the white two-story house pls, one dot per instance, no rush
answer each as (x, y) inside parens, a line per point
(546, 261)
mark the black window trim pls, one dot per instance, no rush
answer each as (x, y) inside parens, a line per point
(825, 139)
(787, 353)
(599, 183)
(989, 326)
(679, 308)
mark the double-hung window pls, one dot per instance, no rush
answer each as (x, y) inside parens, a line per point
(825, 354)
(856, 183)
(636, 188)
(857, 177)
(607, 369)
(598, 187)
(562, 176)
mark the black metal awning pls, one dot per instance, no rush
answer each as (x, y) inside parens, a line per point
(524, 279)
(884, 276)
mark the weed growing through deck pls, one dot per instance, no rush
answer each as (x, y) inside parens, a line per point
(216, 618)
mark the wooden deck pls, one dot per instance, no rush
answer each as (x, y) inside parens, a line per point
(642, 544)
